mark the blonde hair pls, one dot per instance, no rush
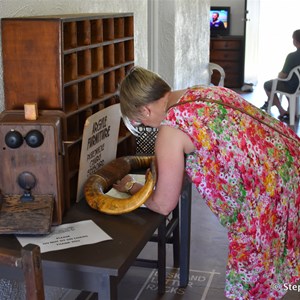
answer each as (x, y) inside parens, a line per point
(139, 88)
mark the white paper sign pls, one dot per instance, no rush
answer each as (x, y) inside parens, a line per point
(67, 236)
(99, 143)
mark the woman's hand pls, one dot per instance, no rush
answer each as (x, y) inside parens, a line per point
(121, 184)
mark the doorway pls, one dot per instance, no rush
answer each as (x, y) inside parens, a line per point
(269, 32)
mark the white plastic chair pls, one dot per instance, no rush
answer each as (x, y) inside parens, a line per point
(215, 67)
(293, 98)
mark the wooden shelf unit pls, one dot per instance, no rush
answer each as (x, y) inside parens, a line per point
(228, 52)
(72, 63)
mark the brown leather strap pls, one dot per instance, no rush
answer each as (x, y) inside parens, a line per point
(235, 108)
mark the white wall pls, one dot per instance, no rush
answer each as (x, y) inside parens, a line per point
(192, 35)
(179, 48)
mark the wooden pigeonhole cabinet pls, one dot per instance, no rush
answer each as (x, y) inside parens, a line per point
(72, 63)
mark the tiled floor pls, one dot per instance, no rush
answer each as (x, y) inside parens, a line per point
(208, 257)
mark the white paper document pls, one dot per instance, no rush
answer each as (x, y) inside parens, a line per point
(67, 236)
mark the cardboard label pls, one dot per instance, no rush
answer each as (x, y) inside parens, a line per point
(99, 143)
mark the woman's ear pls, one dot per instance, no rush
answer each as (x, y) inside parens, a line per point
(146, 111)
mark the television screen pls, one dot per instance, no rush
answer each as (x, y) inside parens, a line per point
(219, 20)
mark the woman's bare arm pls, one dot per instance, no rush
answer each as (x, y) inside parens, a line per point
(169, 149)
(171, 145)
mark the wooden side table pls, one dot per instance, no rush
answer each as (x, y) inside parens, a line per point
(98, 267)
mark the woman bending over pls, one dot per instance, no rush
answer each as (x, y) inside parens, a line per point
(245, 165)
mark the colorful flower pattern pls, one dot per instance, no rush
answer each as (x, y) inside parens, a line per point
(248, 174)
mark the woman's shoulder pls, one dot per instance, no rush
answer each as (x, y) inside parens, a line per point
(202, 91)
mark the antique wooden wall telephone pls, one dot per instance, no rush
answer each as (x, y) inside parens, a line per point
(31, 180)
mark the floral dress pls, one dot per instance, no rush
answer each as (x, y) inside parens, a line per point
(246, 167)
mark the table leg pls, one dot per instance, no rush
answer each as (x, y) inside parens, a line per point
(161, 248)
(108, 288)
(185, 231)
(176, 237)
